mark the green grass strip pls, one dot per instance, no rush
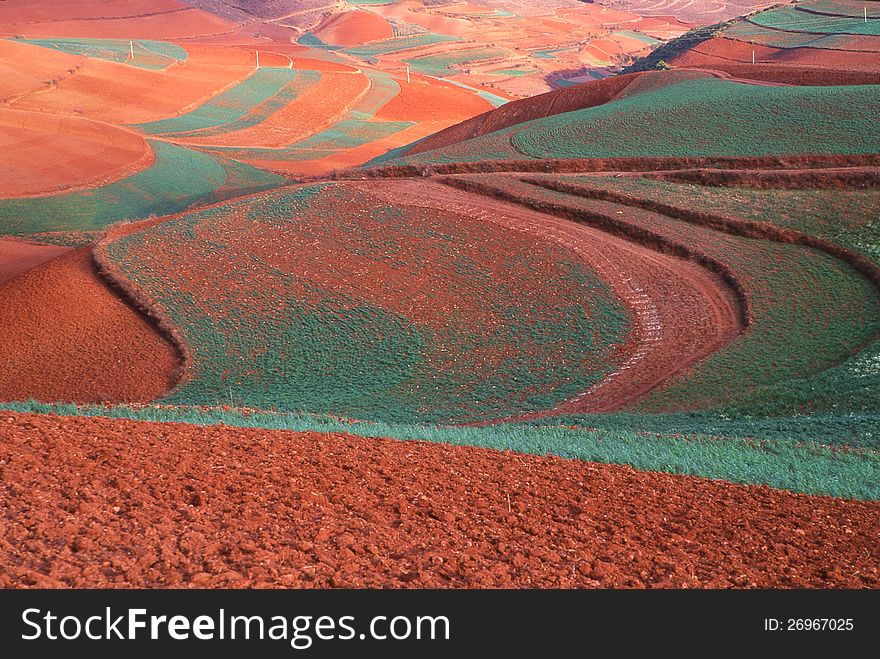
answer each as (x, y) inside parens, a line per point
(262, 112)
(809, 469)
(178, 179)
(148, 54)
(226, 108)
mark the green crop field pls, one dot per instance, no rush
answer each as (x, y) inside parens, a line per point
(302, 81)
(851, 219)
(793, 20)
(229, 107)
(371, 51)
(148, 54)
(811, 310)
(766, 36)
(452, 62)
(356, 128)
(178, 179)
(260, 293)
(703, 117)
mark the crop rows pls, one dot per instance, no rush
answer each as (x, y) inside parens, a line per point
(302, 81)
(810, 310)
(794, 20)
(230, 106)
(766, 36)
(371, 51)
(846, 218)
(842, 8)
(327, 300)
(451, 62)
(356, 128)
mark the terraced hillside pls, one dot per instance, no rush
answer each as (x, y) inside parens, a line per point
(517, 48)
(687, 114)
(817, 42)
(673, 271)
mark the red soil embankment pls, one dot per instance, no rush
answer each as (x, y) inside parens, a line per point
(515, 112)
(849, 178)
(98, 502)
(67, 336)
(619, 164)
(317, 108)
(44, 153)
(17, 257)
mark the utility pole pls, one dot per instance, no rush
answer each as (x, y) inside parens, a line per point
(866, 13)
(131, 47)
(258, 59)
(753, 57)
(407, 76)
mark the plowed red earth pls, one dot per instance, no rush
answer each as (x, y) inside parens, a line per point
(66, 336)
(43, 153)
(117, 93)
(91, 502)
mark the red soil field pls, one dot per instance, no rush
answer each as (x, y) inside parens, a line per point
(66, 336)
(26, 12)
(132, 19)
(353, 28)
(680, 316)
(315, 109)
(431, 101)
(118, 93)
(409, 13)
(23, 68)
(719, 50)
(45, 153)
(348, 158)
(95, 502)
(17, 257)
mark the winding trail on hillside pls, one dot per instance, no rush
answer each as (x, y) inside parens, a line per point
(680, 311)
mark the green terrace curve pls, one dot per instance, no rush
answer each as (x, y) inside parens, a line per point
(177, 179)
(356, 128)
(703, 117)
(272, 298)
(148, 54)
(229, 107)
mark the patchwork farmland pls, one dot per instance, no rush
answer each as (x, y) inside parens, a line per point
(299, 294)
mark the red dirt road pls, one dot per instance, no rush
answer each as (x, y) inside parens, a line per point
(101, 503)
(66, 336)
